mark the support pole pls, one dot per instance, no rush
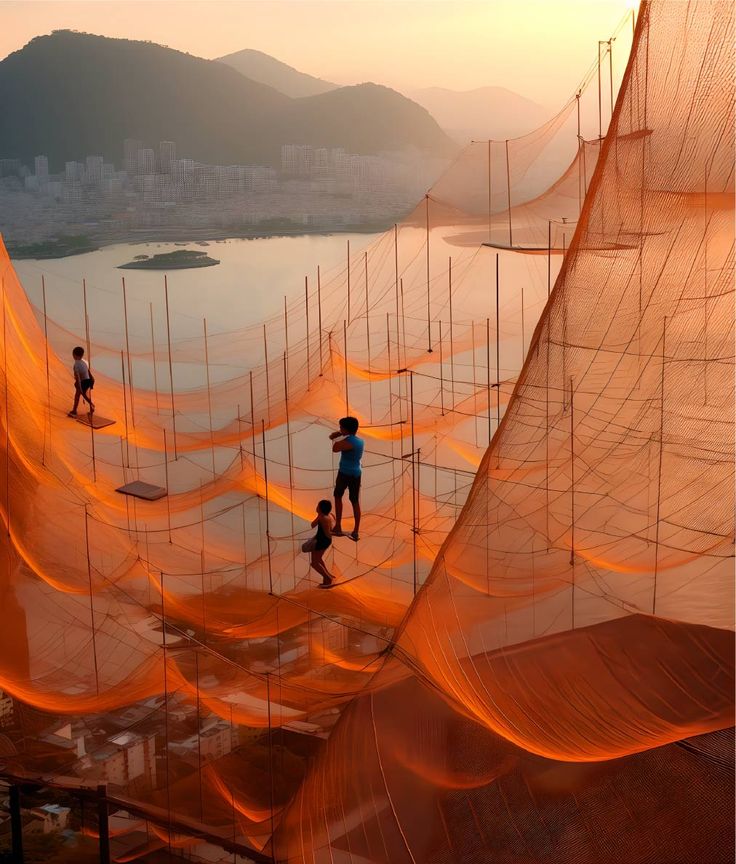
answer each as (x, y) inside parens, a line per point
(89, 362)
(600, 104)
(153, 357)
(442, 374)
(268, 525)
(127, 353)
(413, 482)
(48, 376)
(345, 347)
(549, 258)
(488, 375)
(368, 335)
(125, 410)
(91, 603)
(396, 290)
(508, 191)
(171, 367)
(166, 481)
(498, 352)
(209, 394)
(306, 309)
(348, 242)
(429, 299)
(489, 191)
(268, 383)
(103, 825)
(452, 343)
(319, 319)
(572, 495)
(659, 467)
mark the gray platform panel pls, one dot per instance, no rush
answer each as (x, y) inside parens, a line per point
(146, 491)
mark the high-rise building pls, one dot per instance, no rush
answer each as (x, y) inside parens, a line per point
(73, 171)
(131, 146)
(93, 170)
(146, 161)
(42, 166)
(166, 155)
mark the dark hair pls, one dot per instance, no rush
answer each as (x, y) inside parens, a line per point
(350, 424)
(325, 507)
(78, 351)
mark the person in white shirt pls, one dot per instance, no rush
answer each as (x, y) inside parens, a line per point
(83, 381)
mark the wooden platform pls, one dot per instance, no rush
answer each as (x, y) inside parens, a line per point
(94, 420)
(146, 491)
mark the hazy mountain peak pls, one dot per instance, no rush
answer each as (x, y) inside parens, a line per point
(268, 70)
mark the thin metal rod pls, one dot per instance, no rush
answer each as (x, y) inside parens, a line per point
(345, 348)
(86, 322)
(89, 362)
(306, 308)
(127, 352)
(153, 357)
(600, 105)
(488, 374)
(508, 191)
(125, 410)
(268, 527)
(319, 318)
(498, 351)
(48, 376)
(367, 335)
(171, 367)
(268, 382)
(348, 242)
(166, 709)
(413, 482)
(659, 467)
(572, 494)
(209, 394)
(429, 299)
(452, 343)
(91, 603)
(442, 374)
(489, 191)
(166, 481)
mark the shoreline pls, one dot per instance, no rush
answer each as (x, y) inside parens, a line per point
(180, 237)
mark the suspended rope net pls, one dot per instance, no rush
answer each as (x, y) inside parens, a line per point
(539, 609)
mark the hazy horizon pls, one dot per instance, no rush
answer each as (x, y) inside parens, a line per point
(404, 44)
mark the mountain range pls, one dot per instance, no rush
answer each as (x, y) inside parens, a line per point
(70, 94)
(268, 70)
(481, 113)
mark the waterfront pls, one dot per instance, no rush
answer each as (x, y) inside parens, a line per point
(248, 286)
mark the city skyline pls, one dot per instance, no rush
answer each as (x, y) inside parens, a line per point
(460, 45)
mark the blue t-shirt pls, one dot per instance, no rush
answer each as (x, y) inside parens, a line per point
(350, 459)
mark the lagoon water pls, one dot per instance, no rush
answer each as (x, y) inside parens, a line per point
(247, 287)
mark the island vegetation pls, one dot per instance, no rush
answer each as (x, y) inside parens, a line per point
(180, 259)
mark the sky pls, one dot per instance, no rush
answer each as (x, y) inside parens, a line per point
(538, 48)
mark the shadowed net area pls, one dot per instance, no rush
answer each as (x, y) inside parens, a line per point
(528, 656)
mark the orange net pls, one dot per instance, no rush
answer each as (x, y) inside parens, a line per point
(540, 605)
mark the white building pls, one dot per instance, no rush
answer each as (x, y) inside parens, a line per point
(41, 166)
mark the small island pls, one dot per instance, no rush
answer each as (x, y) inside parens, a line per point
(181, 259)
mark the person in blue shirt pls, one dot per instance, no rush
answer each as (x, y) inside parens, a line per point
(350, 447)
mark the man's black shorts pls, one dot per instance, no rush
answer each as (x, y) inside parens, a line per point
(347, 481)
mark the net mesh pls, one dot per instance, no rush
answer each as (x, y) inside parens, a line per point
(540, 605)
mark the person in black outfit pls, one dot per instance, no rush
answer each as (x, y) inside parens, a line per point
(321, 541)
